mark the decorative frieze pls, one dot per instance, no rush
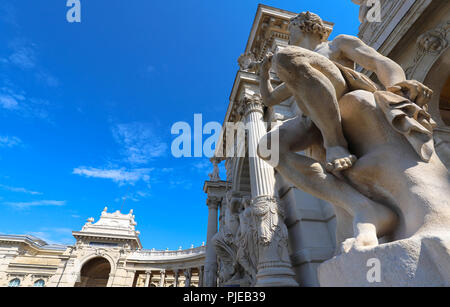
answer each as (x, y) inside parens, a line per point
(270, 215)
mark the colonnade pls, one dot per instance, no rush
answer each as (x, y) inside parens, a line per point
(191, 277)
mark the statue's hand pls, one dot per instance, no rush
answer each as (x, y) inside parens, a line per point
(413, 90)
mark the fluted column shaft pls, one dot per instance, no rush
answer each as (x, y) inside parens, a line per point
(200, 276)
(274, 267)
(262, 177)
(210, 274)
(163, 277)
(176, 278)
(187, 278)
(147, 279)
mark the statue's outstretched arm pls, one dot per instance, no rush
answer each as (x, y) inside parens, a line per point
(388, 72)
(270, 95)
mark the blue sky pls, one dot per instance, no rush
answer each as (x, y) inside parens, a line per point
(86, 109)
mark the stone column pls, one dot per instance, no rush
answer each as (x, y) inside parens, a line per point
(176, 278)
(147, 279)
(163, 277)
(210, 275)
(187, 276)
(110, 280)
(274, 266)
(200, 276)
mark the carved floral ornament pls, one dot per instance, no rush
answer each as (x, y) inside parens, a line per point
(100, 252)
(249, 104)
(271, 214)
(431, 43)
(434, 41)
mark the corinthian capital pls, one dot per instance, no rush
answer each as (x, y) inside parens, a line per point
(251, 103)
(213, 202)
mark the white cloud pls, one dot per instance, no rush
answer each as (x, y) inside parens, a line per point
(203, 165)
(48, 79)
(120, 176)
(10, 99)
(38, 203)
(18, 102)
(142, 194)
(19, 190)
(139, 142)
(177, 184)
(23, 55)
(8, 102)
(54, 235)
(9, 141)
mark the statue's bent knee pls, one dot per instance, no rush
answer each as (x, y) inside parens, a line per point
(360, 97)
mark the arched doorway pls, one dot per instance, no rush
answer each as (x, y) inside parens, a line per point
(94, 273)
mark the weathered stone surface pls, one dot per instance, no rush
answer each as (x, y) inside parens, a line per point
(371, 151)
(414, 262)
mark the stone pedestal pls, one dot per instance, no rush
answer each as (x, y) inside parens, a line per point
(415, 262)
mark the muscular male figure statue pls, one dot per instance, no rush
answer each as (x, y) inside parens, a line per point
(310, 68)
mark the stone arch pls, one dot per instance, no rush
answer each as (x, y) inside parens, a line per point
(94, 272)
(39, 283)
(15, 282)
(93, 255)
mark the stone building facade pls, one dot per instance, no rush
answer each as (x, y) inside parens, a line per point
(107, 253)
(262, 231)
(292, 232)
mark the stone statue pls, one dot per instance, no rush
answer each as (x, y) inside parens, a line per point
(215, 175)
(362, 10)
(225, 240)
(236, 244)
(247, 239)
(396, 187)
